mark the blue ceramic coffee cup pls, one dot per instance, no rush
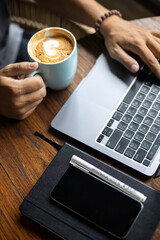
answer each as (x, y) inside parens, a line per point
(56, 75)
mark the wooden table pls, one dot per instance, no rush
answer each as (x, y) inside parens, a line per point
(24, 157)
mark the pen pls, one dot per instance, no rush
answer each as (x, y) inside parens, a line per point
(76, 161)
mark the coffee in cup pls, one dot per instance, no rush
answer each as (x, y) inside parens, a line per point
(55, 49)
(51, 49)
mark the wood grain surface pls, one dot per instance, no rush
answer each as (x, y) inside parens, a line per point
(24, 157)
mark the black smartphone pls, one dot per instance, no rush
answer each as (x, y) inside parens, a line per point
(96, 201)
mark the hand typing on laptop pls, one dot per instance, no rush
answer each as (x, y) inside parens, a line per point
(120, 36)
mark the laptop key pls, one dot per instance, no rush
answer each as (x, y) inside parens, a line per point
(155, 129)
(131, 111)
(152, 113)
(151, 97)
(156, 106)
(127, 118)
(107, 131)
(131, 94)
(111, 143)
(139, 156)
(140, 96)
(142, 111)
(143, 128)
(139, 136)
(121, 146)
(100, 138)
(148, 121)
(128, 134)
(138, 118)
(146, 145)
(150, 137)
(155, 89)
(154, 148)
(157, 121)
(122, 126)
(133, 126)
(144, 89)
(129, 153)
(146, 163)
(146, 104)
(158, 98)
(148, 83)
(111, 121)
(136, 103)
(134, 144)
(122, 107)
(117, 116)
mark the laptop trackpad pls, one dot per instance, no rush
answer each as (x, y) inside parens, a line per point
(92, 103)
(114, 78)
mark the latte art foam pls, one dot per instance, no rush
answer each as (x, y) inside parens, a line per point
(50, 45)
(53, 49)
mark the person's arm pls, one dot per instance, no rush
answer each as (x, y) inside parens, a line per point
(120, 36)
(82, 11)
(20, 96)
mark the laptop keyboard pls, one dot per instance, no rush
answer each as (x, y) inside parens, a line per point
(134, 128)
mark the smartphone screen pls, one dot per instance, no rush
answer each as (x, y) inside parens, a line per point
(96, 201)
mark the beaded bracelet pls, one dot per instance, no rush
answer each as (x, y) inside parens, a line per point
(103, 17)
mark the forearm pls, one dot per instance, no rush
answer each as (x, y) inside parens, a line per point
(83, 11)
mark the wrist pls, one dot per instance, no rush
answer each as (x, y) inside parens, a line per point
(107, 24)
(106, 21)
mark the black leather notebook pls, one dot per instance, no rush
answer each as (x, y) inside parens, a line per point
(39, 207)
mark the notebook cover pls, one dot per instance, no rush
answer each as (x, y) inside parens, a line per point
(39, 207)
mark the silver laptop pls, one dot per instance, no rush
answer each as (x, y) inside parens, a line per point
(117, 114)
